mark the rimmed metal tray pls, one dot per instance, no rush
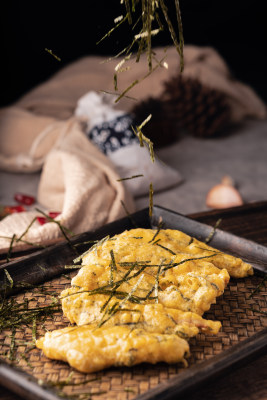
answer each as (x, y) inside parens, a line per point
(243, 317)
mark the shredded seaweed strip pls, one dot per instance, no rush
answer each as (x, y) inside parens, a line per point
(83, 243)
(117, 306)
(62, 228)
(166, 248)
(258, 288)
(15, 315)
(94, 247)
(157, 284)
(212, 233)
(145, 23)
(157, 232)
(60, 385)
(10, 280)
(129, 390)
(143, 139)
(190, 241)
(112, 267)
(23, 241)
(179, 45)
(131, 177)
(137, 81)
(186, 260)
(72, 266)
(10, 248)
(52, 54)
(66, 382)
(23, 356)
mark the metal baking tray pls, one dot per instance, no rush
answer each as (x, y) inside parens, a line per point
(49, 263)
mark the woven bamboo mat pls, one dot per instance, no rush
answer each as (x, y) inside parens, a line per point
(242, 310)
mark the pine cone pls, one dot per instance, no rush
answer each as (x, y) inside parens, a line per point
(202, 111)
(160, 129)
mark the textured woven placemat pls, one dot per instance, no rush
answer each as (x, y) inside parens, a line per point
(242, 310)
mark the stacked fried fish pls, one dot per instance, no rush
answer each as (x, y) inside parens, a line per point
(138, 297)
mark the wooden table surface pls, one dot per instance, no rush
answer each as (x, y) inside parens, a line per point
(248, 382)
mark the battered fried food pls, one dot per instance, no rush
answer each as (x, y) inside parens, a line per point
(90, 350)
(83, 309)
(136, 298)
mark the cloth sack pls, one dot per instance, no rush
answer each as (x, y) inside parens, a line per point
(77, 180)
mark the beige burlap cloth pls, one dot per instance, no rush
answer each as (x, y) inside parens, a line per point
(39, 131)
(77, 180)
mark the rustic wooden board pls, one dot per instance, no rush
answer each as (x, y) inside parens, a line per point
(241, 316)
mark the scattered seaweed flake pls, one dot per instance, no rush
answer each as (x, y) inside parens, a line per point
(180, 32)
(84, 243)
(166, 248)
(9, 278)
(34, 329)
(11, 354)
(179, 46)
(212, 233)
(157, 285)
(186, 260)
(160, 225)
(112, 29)
(118, 305)
(64, 230)
(144, 139)
(23, 356)
(129, 390)
(258, 288)
(27, 229)
(9, 253)
(94, 247)
(52, 54)
(190, 241)
(131, 177)
(113, 262)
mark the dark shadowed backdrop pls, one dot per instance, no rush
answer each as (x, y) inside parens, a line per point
(236, 28)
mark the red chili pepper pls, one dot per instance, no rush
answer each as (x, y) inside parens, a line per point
(24, 199)
(41, 220)
(7, 210)
(14, 209)
(53, 214)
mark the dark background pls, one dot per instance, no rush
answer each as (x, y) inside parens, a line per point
(237, 29)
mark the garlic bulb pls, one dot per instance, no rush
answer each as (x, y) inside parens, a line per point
(224, 195)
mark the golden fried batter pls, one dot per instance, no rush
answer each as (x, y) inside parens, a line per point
(90, 350)
(137, 296)
(137, 245)
(82, 309)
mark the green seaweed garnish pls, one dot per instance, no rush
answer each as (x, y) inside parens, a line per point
(52, 54)
(9, 278)
(94, 247)
(212, 233)
(131, 177)
(166, 248)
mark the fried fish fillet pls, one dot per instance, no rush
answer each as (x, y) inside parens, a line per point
(135, 298)
(82, 309)
(172, 245)
(186, 282)
(90, 350)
